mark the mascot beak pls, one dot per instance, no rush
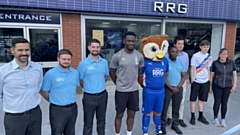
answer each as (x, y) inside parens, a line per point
(159, 56)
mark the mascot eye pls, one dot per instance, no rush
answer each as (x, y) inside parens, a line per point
(163, 47)
(154, 49)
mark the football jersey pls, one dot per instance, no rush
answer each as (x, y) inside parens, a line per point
(201, 62)
(154, 73)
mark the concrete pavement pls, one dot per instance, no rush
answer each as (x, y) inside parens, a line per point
(232, 118)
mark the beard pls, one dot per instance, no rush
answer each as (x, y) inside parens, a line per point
(95, 53)
(23, 60)
(63, 66)
(130, 49)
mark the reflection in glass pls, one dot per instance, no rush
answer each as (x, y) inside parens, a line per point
(193, 34)
(237, 41)
(6, 36)
(44, 44)
(237, 48)
(113, 31)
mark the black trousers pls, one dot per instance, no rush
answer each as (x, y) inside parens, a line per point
(63, 119)
(94, 103)
(28, 123)
(176, 101)
(221, 96)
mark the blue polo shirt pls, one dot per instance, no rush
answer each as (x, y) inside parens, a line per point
(61, 85)
(183, 57)
(175, 70)
(93, 74)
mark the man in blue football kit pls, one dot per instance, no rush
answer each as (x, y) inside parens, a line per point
(153, 92)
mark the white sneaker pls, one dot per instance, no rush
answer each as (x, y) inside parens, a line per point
(159, 133)
(145, 134)
(216, 122)
(223, 123)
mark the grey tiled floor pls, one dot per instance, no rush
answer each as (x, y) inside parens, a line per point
(233, 117)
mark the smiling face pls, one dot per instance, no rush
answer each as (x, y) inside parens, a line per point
(173, 52)
(65, 60)
(94, 48)
(21, 52)
(129, 42)
(179, 45)
(223, 55)
(154, 47)
(204, 48)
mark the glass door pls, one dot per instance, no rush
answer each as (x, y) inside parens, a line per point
(7, 33)
(45, 43)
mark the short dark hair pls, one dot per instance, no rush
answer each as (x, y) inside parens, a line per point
(177, 38)
(223, 49)
(93, 41)
(64, 51)
(129, 33)
(204, 42)
(18, 40)
(171, 47)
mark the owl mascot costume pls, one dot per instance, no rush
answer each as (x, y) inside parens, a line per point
(152, 79)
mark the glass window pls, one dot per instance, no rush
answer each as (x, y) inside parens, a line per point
(237, 48)
(44, 44)
(6, 36)
(237, 41)
(111, 33)
(194, 33)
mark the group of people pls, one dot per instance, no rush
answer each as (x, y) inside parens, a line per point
(219, 77)
(21, 81)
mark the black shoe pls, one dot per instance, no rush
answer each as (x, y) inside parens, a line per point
(203, 120)
(181, 122)
(192, 121)
(177, 130)
(169, 121)
(163, 129)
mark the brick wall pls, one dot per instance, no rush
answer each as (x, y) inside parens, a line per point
(230, 38)
(71, 28)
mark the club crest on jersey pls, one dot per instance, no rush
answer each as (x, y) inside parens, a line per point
(136, 61)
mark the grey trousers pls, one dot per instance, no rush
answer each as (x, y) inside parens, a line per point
(28, 123)
(63, 119)
(169, 113)
(94, 103)
(176, 100)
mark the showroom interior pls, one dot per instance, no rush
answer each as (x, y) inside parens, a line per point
(53, 25)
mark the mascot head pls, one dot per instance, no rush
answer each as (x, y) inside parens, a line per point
(154, 47)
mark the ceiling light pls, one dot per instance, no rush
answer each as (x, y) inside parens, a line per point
(133, 24)
(105, 22)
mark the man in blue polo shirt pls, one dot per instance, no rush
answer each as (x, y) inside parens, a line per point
(59, 88)
(173, 89)
(93, 72)
(183, 57)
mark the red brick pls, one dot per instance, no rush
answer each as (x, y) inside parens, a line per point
(72, 36)
(230, 38)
